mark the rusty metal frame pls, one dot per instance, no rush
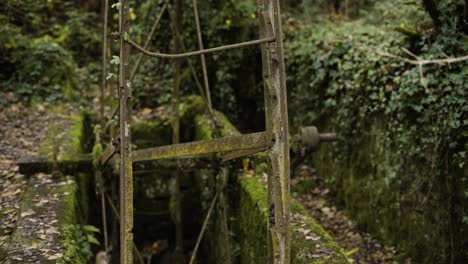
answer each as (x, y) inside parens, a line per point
(226, 144)
(274, 139)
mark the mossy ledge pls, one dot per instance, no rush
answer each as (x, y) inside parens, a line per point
(54, 206)
(310, 243)
(49, 211)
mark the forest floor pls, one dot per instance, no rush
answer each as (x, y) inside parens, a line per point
(359, 246)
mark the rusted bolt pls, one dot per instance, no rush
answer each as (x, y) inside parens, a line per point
(310, 137)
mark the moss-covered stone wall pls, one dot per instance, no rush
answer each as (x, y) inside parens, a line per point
(405, 202)
(310, 243)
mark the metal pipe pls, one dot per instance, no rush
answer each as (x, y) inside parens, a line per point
(202, 231)
(328, 137)
(202, 56)
(199, 52)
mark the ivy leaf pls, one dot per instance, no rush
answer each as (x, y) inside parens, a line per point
(91, 239)
(111, 75)
(115, 60)
(113, 121)
(465, 219)
(125, 36)
(116, 6)
(91, 228)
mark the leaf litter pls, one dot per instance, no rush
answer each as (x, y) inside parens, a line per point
(21, 130)
(359, 246)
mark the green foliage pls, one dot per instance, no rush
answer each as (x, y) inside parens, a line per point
(47, 47)
(47, 71)
(84, 236)
(338, 80)
(97, 155)
(115, 60)
(222, 22)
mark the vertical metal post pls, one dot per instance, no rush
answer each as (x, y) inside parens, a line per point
(175, 182)
(104, 57)
(126, 176)
(277, 128)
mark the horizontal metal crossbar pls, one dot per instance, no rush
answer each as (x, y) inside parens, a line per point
(108, 153)
(248, 141)
(199, 52)
(241, 153)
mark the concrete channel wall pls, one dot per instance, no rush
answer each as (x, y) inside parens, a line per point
(238, 225)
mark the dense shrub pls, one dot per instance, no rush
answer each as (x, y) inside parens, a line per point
(45, 70)
(45, 45)
(338, 78)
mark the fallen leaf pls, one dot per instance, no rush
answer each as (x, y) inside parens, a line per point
(312, 237)
(55, 256)
(27, 213)
(51, 230)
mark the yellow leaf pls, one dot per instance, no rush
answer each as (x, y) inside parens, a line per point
(132, 14)
(351, 252)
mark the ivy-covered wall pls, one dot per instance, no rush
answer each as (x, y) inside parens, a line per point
(400, 166)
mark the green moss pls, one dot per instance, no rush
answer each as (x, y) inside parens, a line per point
(310, 243)
(253, 215)
(191, 106)
(67, 219)
(64, 136)
(381, 191)
(66, 211)
(151, 134)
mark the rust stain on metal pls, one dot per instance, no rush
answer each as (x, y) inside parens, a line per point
(248, 141)
(277, 126)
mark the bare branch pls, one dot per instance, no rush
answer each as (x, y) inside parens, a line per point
(419, 61)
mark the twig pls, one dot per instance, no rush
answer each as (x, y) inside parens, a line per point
(420, 62)
(202, 231)
(423, 62)
(421, 72)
